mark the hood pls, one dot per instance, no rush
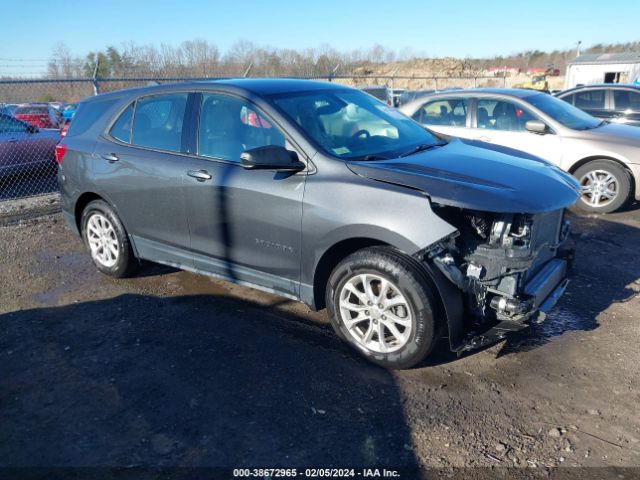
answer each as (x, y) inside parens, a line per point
(612, 132)
(478, 176)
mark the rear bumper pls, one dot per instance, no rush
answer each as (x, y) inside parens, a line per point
(70, 221)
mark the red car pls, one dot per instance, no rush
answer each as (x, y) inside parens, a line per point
(40, 115)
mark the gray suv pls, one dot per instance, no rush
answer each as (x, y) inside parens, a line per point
(321, 193)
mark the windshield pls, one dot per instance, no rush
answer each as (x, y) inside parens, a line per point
(562, 112)
(352, 125)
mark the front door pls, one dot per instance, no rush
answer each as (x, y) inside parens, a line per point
(245, 224)
(626, 104)
(502, 122)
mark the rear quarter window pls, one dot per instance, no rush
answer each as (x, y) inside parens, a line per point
(87, 114)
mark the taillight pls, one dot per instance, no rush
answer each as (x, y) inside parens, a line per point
(61, 149)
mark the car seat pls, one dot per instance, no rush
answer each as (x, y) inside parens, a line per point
(483, 118)
(504, 115)
(222, 129)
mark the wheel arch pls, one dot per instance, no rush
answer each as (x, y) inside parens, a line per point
(579, 163)
(81, 203)
(442, 289)
(332, 257)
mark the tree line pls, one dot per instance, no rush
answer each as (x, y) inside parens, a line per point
(199, 58)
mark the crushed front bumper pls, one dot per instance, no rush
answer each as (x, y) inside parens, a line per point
(544, 290)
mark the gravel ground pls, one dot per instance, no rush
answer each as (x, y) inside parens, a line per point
(174, 369)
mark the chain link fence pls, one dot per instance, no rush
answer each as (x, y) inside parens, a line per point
(35, 113)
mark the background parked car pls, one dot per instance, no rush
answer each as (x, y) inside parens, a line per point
(68, 111)
(605, 158)
(616, 103)
(381, 93)
(41, 115)
(25, 148)
(9, 108)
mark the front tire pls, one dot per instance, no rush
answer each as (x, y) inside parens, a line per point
(380, 302)
(107, 240)
(605, 186)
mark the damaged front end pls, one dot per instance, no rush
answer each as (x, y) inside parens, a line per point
(510, 268)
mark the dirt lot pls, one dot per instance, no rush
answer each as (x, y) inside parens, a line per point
(170, 368)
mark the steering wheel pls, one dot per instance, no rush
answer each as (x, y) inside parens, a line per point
(361, 134)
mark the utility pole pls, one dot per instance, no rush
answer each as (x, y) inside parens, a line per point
(578, 48)
(94, 80)
(333, 72)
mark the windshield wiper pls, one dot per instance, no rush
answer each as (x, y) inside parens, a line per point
(372, 156)
(603, 122)
(422, 147)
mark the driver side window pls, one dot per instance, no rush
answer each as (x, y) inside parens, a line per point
(230, 125)
(502, 115)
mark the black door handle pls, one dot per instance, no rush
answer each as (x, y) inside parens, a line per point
(110, 157)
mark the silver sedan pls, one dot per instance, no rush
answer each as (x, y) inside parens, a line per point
(604, 157)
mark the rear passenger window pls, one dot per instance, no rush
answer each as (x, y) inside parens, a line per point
(122, 128)
(626, 100)
(590, 99)
(158, 121)
(443, 112)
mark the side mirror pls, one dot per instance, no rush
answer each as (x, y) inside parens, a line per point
(536, 126)
(271, 157)
(32, 128)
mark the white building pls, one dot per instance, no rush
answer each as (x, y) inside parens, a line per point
(603, 68)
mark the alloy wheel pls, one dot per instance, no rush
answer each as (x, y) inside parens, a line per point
(375, 313)
(598, 188)
(102, 239)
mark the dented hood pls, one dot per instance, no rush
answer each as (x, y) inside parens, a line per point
(478, 176)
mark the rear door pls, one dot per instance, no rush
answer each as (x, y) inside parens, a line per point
(445, 115)
(502, 122)
(139, 167)
(245, 224)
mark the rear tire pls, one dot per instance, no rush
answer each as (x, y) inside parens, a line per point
(107, 240)
(605, 186)
(381, 303)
